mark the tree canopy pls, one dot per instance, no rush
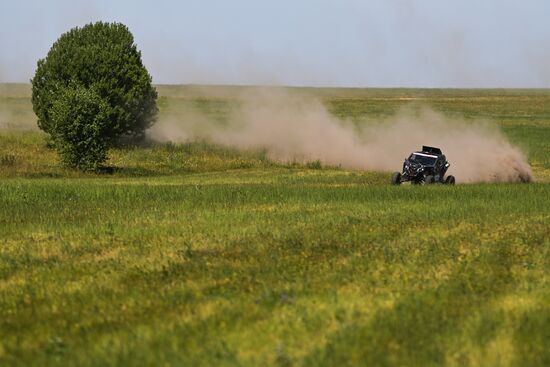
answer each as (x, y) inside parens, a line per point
(99, 65)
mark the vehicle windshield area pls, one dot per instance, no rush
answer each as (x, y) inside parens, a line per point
(422, 159)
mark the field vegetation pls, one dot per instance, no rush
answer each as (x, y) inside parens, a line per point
(199, 254)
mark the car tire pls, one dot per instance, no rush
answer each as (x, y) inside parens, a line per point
(450, 180)
(429, 180)
(396, 178)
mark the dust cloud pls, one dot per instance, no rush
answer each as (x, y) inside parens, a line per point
(6, 118)
(292, 127)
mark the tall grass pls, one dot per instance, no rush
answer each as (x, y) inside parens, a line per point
(261, 267)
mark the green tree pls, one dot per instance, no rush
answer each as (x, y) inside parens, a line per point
(103, 59)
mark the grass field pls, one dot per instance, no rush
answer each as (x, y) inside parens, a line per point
(200, 255)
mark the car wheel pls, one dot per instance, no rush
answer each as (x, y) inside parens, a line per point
(396, 178)
(450, 180)
(429, 180)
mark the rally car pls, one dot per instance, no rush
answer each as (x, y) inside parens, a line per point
(424, 167)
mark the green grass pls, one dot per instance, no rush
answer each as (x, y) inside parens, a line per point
(202, 255)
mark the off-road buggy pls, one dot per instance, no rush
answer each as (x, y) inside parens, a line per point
(425, 167)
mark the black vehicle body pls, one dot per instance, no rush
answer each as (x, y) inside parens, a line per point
(424, 167)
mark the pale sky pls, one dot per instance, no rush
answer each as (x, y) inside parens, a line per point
(356, 43)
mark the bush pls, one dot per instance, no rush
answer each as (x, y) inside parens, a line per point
(80, 119)
(98, 65)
